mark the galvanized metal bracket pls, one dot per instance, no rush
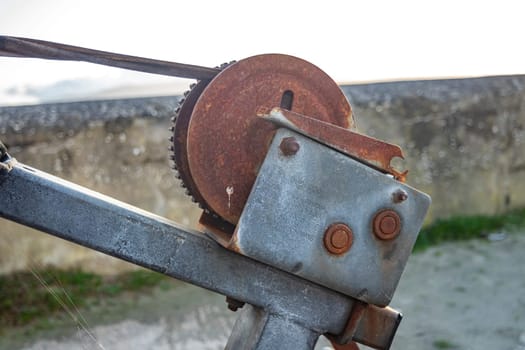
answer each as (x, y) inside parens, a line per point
(298, 197)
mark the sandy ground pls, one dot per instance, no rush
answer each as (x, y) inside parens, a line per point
(468, 295)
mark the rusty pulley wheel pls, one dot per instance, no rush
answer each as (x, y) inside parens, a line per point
(225, 143)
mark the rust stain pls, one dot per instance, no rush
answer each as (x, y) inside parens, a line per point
(368, 149)
(386, 224)
(343, 341)
(289, 146)
(370, 325)
(224, 122)
(338, 238)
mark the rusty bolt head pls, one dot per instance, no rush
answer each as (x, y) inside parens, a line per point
(386, 224)
(289, 146)
(338, 238)
(399, 196)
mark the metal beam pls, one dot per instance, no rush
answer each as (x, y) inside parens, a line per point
(63, 209)
(76, 214)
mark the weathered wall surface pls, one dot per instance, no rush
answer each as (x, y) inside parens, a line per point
(464, 142)
(464, 139)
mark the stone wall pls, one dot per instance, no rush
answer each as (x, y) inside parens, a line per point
(464, 142)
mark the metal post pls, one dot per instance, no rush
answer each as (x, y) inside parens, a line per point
(257, 329)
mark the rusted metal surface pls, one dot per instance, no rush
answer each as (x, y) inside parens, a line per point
(338, 238)
(378, 327)
(218, 229)
(358, 310)
(364, 148)
(377, 323)
(289, 146)
(387, 224)
(227, 142)
(31, 48)
(180, 137)
(349, 346)
(399, 196)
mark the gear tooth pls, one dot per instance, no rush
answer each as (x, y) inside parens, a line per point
(178, 174)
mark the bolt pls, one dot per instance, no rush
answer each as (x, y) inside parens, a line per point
(386, 224)
(399, 196)
(234, 304)
(289, 146)
(338, 238)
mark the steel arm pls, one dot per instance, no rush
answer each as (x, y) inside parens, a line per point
(71, 212)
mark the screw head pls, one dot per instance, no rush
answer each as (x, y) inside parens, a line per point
(289, 146)
(399, 196)
(338, 238)
(386, 224)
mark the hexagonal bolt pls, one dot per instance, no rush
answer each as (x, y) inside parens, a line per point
(386, 224)
(338, 238)
(289, 146)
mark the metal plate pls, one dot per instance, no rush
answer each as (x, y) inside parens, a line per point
(296, 198)
(227, 143)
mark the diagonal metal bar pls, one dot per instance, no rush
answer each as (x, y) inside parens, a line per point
(55, 206)
(32, 48)
(47, 203)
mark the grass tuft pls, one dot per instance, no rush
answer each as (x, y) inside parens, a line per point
(443, 344)
(467, 227)
(24, 296)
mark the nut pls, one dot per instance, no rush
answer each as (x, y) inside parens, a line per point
(289, 146)
(386, 224)
(338, 238)
(234, 304)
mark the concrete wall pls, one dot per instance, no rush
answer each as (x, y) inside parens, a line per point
(464, 139)
(464, 142)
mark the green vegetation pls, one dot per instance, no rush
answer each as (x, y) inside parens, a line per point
(443, 344)
(468, 227)
(27, 296)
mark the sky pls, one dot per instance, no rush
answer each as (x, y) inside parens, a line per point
(353, 41)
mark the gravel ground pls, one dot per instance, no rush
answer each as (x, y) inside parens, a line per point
(468, 295)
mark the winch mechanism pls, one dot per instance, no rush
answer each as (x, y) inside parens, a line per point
(268, 147)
